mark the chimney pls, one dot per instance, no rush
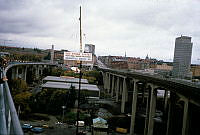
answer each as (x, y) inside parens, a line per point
(52, 54)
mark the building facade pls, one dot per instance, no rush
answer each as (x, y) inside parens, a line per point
(182, 57)
(164, 66)
(195, 70)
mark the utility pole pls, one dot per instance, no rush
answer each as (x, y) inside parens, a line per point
(80, 75)
(63, 107)
(78, 107)
(80, 32)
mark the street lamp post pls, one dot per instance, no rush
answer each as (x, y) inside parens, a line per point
(63, 107)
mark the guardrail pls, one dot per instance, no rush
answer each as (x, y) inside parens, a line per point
(9, 121)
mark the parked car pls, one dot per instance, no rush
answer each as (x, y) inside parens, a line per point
(81, 133)
(58, 123)
(26, 126)
(37, 130)
(80, 123)
(45, 126)
(71, 126)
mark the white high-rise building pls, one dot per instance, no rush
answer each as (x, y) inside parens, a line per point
(182, 57)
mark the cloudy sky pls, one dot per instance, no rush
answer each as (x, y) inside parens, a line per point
(139, 27)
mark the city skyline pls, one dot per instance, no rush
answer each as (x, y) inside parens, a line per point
(137, 27)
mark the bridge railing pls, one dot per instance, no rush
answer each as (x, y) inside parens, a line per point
(9, 121)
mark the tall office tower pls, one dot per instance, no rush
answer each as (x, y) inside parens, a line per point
(182, 57)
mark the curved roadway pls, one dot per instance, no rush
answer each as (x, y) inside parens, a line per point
(31, 63)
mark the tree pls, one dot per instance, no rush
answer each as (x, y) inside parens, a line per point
(41, 100)
(48, 56)
(92, 76)
(49, 101)
(72, 97)
(21, 96)
(57, 72)
(37, 50)
(23, 100)
(18, 86)
(57, 100)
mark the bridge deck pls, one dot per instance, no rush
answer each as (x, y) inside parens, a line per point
(189, 90)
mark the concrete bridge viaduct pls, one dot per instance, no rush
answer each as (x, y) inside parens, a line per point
(9, 121)
(121, 84)
(20, 70)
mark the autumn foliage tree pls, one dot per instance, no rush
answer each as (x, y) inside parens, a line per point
(18, 86)
(51, 100)
(21, 96)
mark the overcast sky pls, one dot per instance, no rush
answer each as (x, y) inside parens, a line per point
(139, 27)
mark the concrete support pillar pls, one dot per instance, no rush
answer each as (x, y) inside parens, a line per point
(42, 70)
(165, 100)
(147, 112)
(123, 96)
(117, 90)
(24, 73)
(13, 73)
(38, 71)
(134, 103)
(113, 86)
(185, 118)
(16, 72)
(107, 82)
(152, 110)
(126, 92)
(143, 93)
(108, 88)
(104, 80)
(104, 83)
(121, 87)
(171, 114)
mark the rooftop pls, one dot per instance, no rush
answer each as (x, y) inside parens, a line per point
(64, 85)
(65, 79)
